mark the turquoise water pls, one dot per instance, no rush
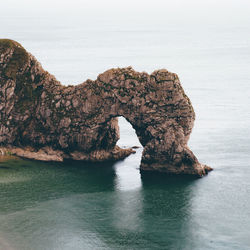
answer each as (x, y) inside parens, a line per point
(75, 205)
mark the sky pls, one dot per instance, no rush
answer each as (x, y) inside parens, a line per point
(218, 10)
(40, 24)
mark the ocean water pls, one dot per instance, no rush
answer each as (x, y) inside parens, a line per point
(75, 205)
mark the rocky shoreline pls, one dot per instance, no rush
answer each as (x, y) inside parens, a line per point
(42, 119)
(49, 154)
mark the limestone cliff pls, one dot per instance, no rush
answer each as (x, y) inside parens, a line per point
(44, 120)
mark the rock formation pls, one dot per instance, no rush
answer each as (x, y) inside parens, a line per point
(42, 119)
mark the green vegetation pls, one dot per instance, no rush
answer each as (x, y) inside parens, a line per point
(27, 93)
(18, 59)
(8, 153)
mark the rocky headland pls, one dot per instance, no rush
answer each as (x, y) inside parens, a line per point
(42, 119)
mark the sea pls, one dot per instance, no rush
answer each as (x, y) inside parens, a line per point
(79, 205)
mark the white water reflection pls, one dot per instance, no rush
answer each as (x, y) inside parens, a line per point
(129, 201)
(128, 204)
(127, 211)
(127, 173)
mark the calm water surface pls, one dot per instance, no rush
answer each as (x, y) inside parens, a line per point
(74, 205)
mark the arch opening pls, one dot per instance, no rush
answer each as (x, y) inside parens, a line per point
(128, 136)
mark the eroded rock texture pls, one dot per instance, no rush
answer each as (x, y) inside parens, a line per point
(42, 119)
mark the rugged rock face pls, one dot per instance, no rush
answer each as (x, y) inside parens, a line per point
(42, 119)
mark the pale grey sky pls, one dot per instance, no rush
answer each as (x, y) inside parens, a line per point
(181, 8)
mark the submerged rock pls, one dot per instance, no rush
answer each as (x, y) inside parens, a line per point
(44, 120)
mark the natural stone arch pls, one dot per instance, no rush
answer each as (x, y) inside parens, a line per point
(45, 120)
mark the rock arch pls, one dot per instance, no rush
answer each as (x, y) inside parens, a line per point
(42, 119)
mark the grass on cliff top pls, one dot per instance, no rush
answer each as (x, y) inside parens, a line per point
(18, 59)
(8, 43)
